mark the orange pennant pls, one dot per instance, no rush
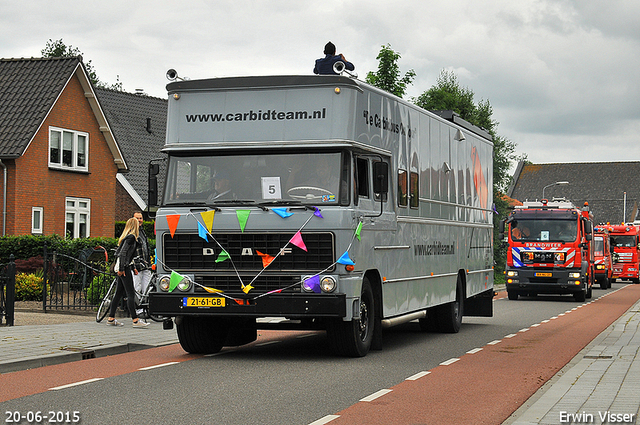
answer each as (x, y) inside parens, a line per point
(266, 259)
(173, 220)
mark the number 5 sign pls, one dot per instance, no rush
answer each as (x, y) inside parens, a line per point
(271, 188)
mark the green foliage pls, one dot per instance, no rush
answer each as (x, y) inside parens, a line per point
(98, 288)
(27, 246)
(57, 49)
(387, 77)
(28, 287)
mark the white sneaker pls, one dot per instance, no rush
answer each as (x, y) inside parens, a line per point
(140, 324)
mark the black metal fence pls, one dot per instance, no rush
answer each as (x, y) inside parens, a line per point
(7, 292)
(75, 284)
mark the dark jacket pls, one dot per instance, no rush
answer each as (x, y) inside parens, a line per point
(126, 252)
(325, 65)
(142, 258)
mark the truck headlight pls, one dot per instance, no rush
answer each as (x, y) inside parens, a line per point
(574, 275)
(512, 273)
(163, 283)
(328, 284)
(184, 285)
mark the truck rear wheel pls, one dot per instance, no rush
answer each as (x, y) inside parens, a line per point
(353, 338)
(201, 335)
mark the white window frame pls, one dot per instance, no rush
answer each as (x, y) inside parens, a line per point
(75, 137)
(36, 223)
(77, 209)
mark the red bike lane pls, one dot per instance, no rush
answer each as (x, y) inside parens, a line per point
(487, 386)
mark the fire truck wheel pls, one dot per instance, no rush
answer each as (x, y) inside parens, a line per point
(580, 296)
(513, 295)
(353, 338)
(201, 335)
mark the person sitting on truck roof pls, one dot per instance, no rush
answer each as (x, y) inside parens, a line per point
(324, 66)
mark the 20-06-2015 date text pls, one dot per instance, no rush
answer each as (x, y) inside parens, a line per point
(38, 417)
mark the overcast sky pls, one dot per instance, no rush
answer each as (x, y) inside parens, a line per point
(563, 77)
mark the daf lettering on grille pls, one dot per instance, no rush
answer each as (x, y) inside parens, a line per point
(208, 251)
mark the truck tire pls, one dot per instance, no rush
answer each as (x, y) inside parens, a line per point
(513, 295)
(201, 335)
(580, 296)
(448, 317)
(353, 338)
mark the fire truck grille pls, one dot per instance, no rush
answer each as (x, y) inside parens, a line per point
(186, 252)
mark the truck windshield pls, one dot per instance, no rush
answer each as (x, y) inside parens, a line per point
(544, 230)
(598, 245)
(271, 178)
(628, 241)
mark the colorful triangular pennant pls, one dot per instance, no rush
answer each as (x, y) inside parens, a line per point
(174, 280)
(243, 216)
(224, 255)
(282, 212)
(207, 217)
(297, 241)
(358, 230)
(344, 259)
(266, 259)
(172, 221)
(202, 232)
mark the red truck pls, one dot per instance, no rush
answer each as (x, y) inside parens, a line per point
(624, 239)
(549, 250)
(602, 251)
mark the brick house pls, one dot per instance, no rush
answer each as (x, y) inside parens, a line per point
(58, 155)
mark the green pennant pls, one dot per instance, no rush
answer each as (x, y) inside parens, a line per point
(243, 216)
(175, 279)
(224, 255)
(358, 230)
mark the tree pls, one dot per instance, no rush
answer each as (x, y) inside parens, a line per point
(57, 49)
(447, 94)
(387, 77)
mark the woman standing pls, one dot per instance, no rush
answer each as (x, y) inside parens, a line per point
(127, 246)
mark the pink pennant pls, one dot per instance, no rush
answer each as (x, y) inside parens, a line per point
(297, 241)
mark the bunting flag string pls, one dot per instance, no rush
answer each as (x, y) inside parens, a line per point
(205, 232)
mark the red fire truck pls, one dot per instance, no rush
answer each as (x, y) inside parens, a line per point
(624, 239)
(549, 250)
(602, 251)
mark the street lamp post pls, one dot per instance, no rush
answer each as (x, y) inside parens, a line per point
(552, 184)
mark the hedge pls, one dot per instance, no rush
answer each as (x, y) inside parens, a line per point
(29, 246)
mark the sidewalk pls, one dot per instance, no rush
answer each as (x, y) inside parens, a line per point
(600, 385)
(81, 337)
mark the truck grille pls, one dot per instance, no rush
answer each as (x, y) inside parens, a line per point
(189, 252)
(230, 284)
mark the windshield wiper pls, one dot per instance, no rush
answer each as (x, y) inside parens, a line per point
(286, 202)
(232, 202)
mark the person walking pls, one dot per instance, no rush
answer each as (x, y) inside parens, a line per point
(125, 267)
(142, 262)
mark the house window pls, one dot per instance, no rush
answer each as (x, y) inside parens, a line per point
(68, 149)
(37, 220)
(78, 217)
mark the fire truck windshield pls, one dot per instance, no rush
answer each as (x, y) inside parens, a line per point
(535, 230)
(628, 241)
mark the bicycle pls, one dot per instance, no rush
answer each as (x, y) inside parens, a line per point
(142, 300)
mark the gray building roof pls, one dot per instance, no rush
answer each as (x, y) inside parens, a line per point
(28, 91)
(139, 123)
(601, 184)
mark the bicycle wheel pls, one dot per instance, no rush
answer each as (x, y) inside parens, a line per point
(145, 304)
(106, 301)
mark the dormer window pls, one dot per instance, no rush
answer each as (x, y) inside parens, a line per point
(68, 149)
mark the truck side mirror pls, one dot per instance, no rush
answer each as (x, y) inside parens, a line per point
(380, 177)
(152, 193)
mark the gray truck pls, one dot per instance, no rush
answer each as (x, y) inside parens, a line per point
(318, 202)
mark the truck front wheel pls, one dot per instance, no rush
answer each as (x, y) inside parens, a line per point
(201, 335)
(353, 338)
